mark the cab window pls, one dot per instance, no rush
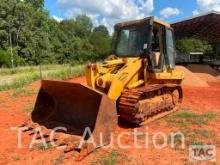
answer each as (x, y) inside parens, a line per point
(170, 50)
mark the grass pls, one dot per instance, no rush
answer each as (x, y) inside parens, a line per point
(20, 81)
(199, 136)
(58, 160)
(204, 133)
(20, 92)
(195, 142)
(191, 125)
(26, 76)
(186, 117)
(15, 158)
(26, 69)
(192, 137)
(66, 73)
(110, 159)
(1, 101)
(42, 146)
(113, 157)
(28, 108)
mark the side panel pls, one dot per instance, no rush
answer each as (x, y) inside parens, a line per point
(174, 75)
(123, 77)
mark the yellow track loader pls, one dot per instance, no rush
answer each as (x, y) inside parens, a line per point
(135, 85)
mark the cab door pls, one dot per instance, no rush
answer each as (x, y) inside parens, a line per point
(170, 53)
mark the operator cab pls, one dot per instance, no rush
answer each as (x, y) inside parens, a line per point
(147, 38)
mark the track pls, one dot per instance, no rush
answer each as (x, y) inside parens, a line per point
(137, 106)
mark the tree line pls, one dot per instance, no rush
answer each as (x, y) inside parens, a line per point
(29, 36)
(188, 45)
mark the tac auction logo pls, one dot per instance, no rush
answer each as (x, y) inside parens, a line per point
(202, 153)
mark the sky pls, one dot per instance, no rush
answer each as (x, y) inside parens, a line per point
(110, 12)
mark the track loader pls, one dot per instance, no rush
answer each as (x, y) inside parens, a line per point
(137, 84)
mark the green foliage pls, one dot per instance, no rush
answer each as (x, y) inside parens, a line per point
(27, 69)
(20, 82)
(110, 159)
(83, 26)
(35, 38)
(5, 60)
(194, 127)
(1, 101)
(20, 92)
(28, 108)
(59, 159)
(38, 4)
(101, 29)
(202, 133)
(113, 157)
(101, 42)
(32, 74)
(15, 158)
(43, 146)
(186, 117)
(193, 45)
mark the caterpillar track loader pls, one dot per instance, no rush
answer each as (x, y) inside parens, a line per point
(137, 84)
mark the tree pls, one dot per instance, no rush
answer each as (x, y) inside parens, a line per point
(37, 4)
(56, 40)
(24, 30)
(13, 14)
(193, 45)
(102, 29)
(36, 47)
(68, 27)
(28, 34)
(5, 59)
(83, 26)
(70, 43)
(101, 42)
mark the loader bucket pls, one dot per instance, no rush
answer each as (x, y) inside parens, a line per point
(75, 107)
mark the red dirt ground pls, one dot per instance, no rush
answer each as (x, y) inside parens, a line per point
(198, 100)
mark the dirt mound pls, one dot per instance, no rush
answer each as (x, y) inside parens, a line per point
(191, 79)
(205, 72)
